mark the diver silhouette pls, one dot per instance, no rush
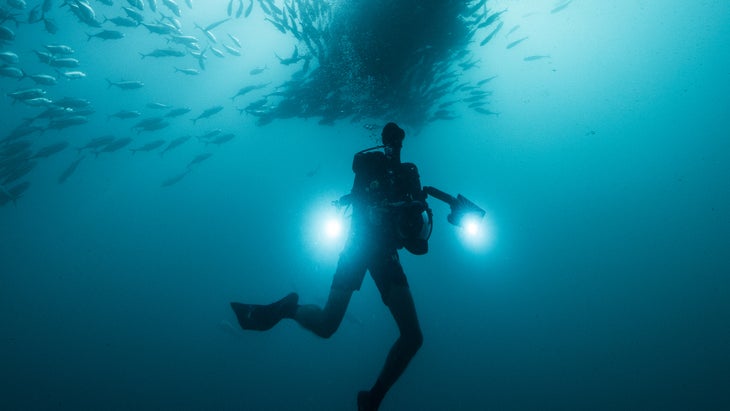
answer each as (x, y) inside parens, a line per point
(389, 212)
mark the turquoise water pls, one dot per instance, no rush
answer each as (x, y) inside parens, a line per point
(600, 283)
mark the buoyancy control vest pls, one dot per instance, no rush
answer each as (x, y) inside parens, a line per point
(389, 199)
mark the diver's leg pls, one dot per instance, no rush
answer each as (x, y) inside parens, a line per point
(348, 277)
(400, 303)
(325, 321)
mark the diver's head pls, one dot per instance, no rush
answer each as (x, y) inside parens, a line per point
(393, 136)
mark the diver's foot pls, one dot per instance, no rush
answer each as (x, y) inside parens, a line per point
(263, 317)
(364, 402)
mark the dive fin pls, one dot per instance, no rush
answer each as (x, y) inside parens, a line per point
(263, 317)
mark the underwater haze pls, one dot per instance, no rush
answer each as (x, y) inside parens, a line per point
(167, 163)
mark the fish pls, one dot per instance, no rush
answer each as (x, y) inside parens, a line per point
(239, 12)
(491, 19)
(74, 75)
(125, 114)
(223, 138)
(9, 57)
(256, 105)
(210, 134)
(512, 30)
(70, 170)
(43, 57)
(482, 110)
(560, 7)
(472, 99)
(215, 24)
(148, 122)
(232, 50)
(35, 15)
(138, 4)
(17, 172)
(162, 29)
(207, 33)
(207, 113)
(172, 5)
(115, 145)
(199, 159)
(73, 102)
(106, 35)
(44, 79)
(61, 49)
(50, 25)
(248, 9)
(85, 13)
(158, 106)
(152, 4)
(54, 112)
(151, 146)
(20, 149)
(154, 126)
(20, 131)
(6, 34)
(491, 35)
(174, 179)
(229, 9)
(67, 62)
(27, 94)
(188, 41)
(38, 102)
(248, 89)
(49, 150)
(536, 57)
(188, 71)
(217, 52)
(516, 42)
(164, 53)
(200, 56)
(125, 85)
(14, 193)
(133, 14)
(12, 72)
(59, 124)
(189, 3)
(175, 143)
(123, 21)
(290, 60)
(258, 70)
(235, 40)
(97, 142)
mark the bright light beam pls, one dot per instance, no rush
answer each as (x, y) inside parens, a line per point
(476, 233)
(333, 227)
(325, 233)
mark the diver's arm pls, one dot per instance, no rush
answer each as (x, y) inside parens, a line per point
(440, 195)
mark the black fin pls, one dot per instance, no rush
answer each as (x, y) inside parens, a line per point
(263, 317)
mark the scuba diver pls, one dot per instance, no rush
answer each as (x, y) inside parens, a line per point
(389, 212)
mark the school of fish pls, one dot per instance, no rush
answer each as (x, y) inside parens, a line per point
(415, 79)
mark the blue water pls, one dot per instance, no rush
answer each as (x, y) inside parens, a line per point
(600, 284)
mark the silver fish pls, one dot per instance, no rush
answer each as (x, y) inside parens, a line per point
(70, 170)
(207, 113)
(125, 85)
(174, 179)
